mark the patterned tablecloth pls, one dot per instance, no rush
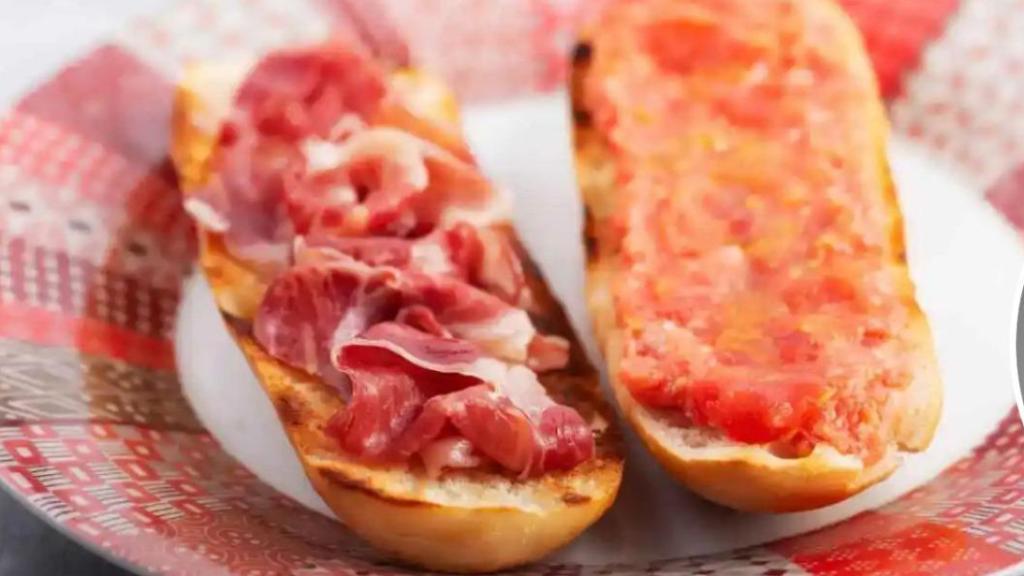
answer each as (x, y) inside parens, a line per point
(36, 38)
(29, 546)
(94, 432)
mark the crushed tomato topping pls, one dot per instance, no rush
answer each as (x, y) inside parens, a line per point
(760, 281)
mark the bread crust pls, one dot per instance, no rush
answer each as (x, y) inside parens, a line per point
(740, 476)
(474, 521)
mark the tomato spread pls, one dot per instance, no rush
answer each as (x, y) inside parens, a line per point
(760, 282)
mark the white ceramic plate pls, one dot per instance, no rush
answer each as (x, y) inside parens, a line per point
(963, 257)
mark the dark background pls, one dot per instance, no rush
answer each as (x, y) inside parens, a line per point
(28, 546)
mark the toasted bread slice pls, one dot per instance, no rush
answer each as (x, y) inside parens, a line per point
(749, 476)
(471, 521)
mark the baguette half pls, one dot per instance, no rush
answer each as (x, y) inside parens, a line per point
(464, 521)
(745, 476)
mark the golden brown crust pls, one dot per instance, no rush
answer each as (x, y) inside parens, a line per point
(467, 534)
(463, 522)
(745, 477)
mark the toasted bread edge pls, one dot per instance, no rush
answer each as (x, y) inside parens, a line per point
(473, 522)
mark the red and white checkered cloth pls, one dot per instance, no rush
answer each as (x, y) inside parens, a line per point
(94, 432)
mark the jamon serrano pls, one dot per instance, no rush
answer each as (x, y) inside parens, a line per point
(368, 271)
(746, 262)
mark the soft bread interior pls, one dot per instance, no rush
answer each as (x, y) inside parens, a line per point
(744, 476)
(463, 521)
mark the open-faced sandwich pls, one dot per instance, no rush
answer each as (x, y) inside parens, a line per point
(427, 379)
(746, 267)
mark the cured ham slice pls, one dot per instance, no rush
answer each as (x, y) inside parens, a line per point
(242, 200)
(379, 182)
(387, 272)
(323, 303)
(288, 97)
(309, 307)
(501, 410)
(407, 342)
(438, 285)
(484, 258)
(297, 93)
(383, 181)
